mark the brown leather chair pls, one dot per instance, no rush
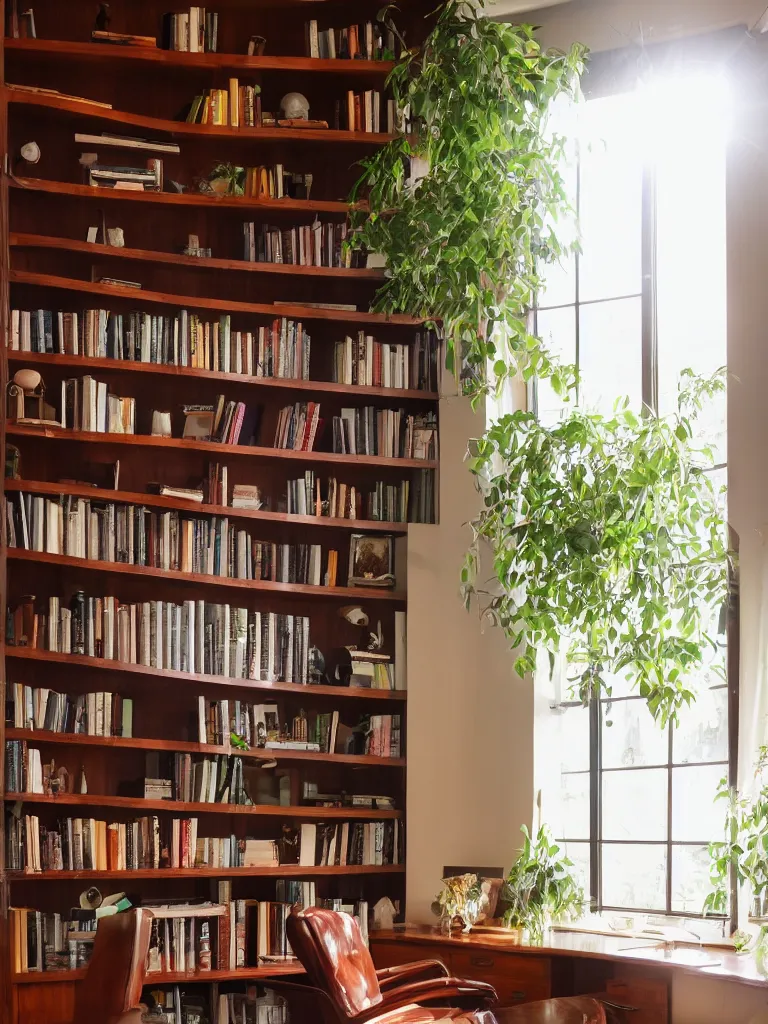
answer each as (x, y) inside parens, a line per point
(110, 993)
(344, 986)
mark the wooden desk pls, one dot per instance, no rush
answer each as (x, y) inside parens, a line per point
(633, 971)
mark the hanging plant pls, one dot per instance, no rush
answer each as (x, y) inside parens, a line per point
(465, 244)
(609, 545)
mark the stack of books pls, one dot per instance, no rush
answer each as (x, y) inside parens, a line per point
(298, 426)
(371, 363)
(392, 433)
(368, 41)
(320, 244)
(86, 714)
(195, 32)
(194, 637)
(87, 405)
(139, 179)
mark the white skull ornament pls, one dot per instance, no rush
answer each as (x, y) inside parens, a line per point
(295, 107)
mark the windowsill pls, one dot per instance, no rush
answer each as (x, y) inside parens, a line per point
(668, 935)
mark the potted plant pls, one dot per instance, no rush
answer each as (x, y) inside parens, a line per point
(540, 888)
(745, 847)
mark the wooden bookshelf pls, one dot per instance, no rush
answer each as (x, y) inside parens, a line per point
(46, 262)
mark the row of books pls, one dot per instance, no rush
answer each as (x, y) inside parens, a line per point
(367, 41)
(85, 714)
(280, 349)
(363, 111)
(365, 361)
(320, 244)
(391, 433)
(206, 780)
(275, 182)
(149, 842)
(181, 1004)
(406, 502)
(194, 937)
(238, 106)
(193, 32)
(86, 404)
(193, 637)
(136, 535)
(298, 426)
(342, 843)
(23, 768)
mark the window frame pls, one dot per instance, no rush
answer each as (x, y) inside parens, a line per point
(650, 398)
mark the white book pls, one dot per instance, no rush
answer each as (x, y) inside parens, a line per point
(307, 842)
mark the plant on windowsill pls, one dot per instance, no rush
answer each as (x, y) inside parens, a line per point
(465, 245)
(540, 889)
(609, 545)
(745, 847)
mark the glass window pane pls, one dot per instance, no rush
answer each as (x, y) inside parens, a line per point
(635, 876)
(557, 329)
(635, 804)
(610, 202)
(574, 822)
(691, 261)
(610, 358)
(696, 818)
(703, 731)
(574, 739)
(633, 738)
(579, 854)
(558, 283)
(690, 878)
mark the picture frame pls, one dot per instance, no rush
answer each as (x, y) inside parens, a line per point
(371, 560)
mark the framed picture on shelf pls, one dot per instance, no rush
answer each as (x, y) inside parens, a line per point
(371, 560)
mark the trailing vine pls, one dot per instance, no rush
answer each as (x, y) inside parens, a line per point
(464, 246)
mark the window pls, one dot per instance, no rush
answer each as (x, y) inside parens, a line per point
(645, 299)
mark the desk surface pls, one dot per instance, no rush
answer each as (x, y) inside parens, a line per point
(708, 962)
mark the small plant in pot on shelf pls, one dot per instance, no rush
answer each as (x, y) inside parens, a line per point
(541, 888)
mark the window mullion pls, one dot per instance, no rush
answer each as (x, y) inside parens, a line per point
(595, 803)
(649, 335)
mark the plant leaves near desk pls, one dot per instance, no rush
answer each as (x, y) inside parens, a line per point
(609, 545)
(465, 244)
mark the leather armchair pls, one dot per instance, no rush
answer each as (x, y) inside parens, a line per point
(111, 989)
(346, 987)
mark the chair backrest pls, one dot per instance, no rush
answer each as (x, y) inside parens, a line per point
(334, 955)
(115, 975)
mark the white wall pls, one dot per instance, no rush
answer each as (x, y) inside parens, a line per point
(470, 718)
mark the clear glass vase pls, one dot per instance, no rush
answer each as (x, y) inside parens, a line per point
(761, 952)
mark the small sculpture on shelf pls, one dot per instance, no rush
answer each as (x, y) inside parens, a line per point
(294, 108)
(55, 780)
(103, 18)
(256, 46)
(26, 400)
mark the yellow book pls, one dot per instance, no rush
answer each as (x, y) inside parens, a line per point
(234, 102)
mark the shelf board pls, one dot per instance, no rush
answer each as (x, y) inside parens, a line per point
(200, 579)
(18, 240)
(242, 203)
(180, 129)
(141, 295)
(76, 52)
(179, 445)
(156, 675)
(283, 871)
(180, 746)
(244, 973)
(160, 501)
(189, 807)
(169, 370)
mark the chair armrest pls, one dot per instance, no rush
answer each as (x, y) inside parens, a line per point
(479, 993)
(391, 977)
